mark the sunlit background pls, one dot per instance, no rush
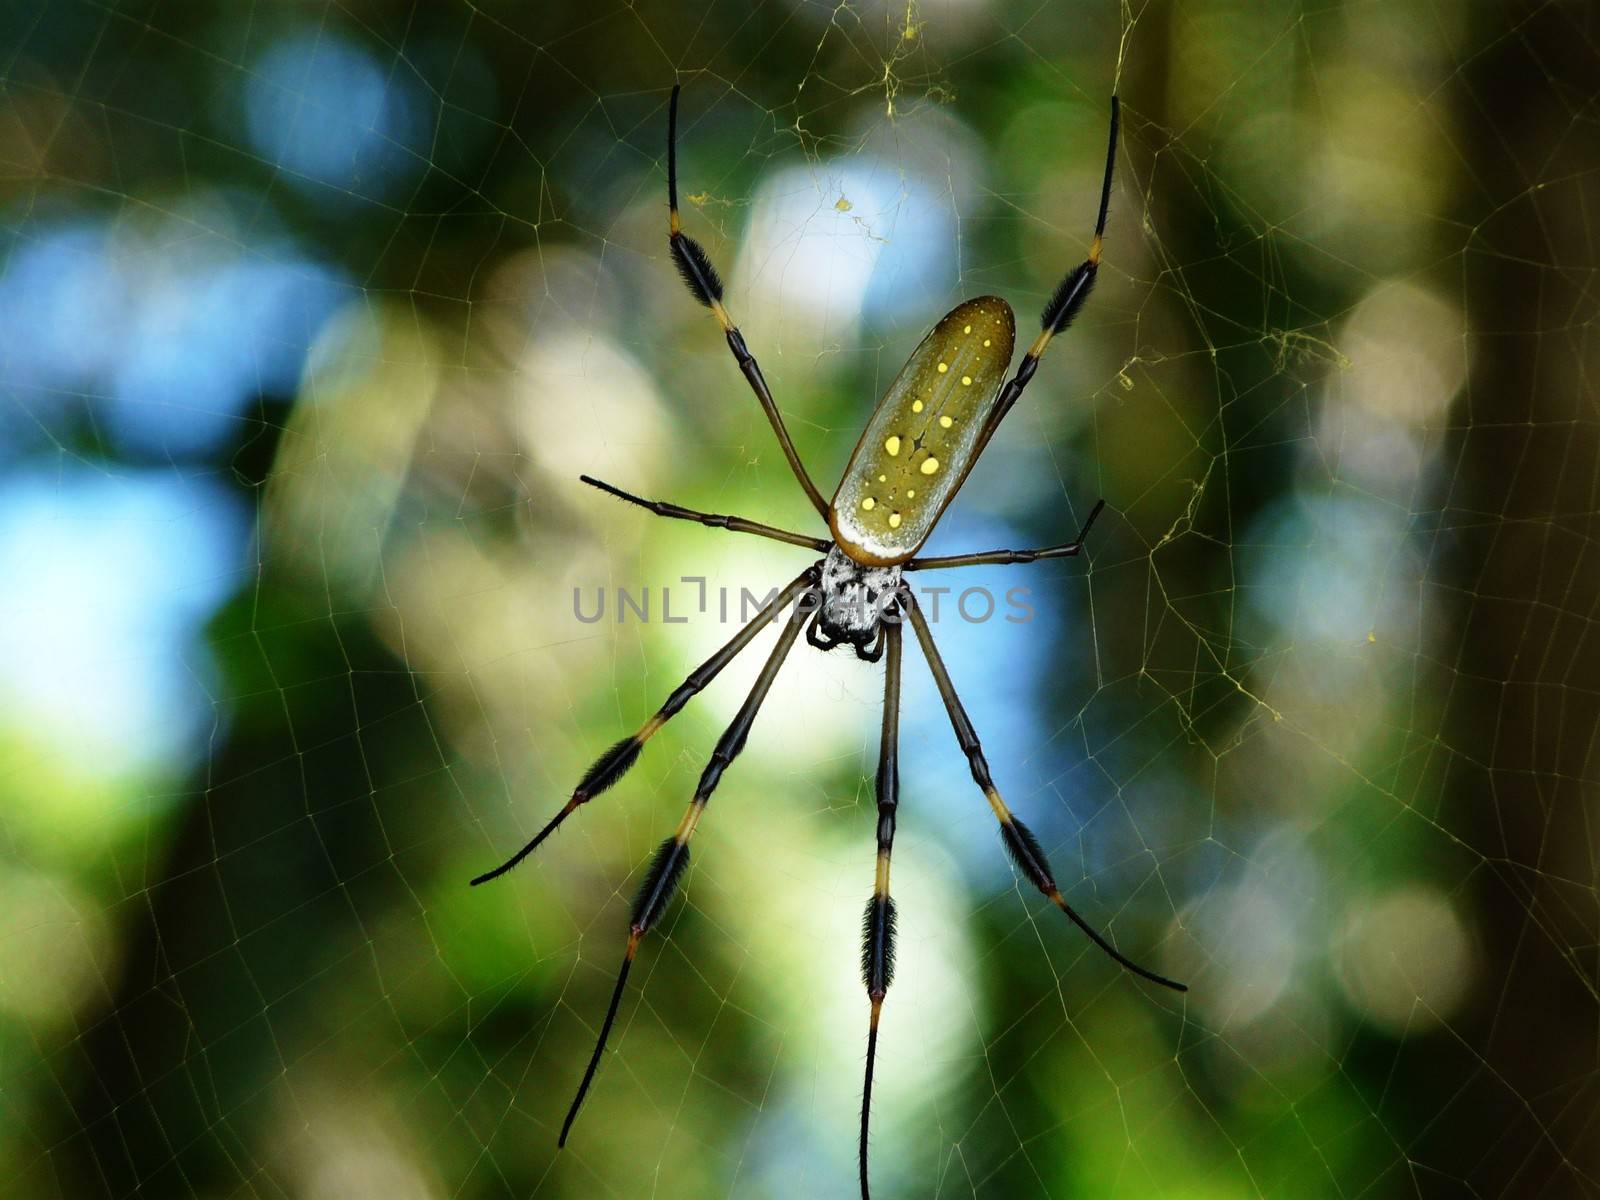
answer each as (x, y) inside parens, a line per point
(310, 315)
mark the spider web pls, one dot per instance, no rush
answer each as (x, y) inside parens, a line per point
(311, 313)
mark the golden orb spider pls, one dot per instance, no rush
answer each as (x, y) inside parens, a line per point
(920, 443)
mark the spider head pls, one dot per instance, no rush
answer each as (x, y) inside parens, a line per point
(851, 606)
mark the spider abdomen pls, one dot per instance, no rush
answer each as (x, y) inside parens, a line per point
(924, 435)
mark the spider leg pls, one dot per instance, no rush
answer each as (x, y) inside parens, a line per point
(878, 922)
(614, 763)
(672, 856)
(695, 265)
(1023, 846)
(876, 652)
(1005, 557)
(815, 637)
(663, 508)
(1066, 301)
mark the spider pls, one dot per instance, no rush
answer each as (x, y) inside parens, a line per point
(919, 444)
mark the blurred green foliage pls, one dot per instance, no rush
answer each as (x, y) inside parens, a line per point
(311, 313)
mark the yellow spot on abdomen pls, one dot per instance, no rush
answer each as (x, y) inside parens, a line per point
(945, 422)
(966, 329)
(930, 465)
(892, 445)
(985, 341)
(894, 520)
(943, 367)
(966, 381)
(916, 406)
(869, 504)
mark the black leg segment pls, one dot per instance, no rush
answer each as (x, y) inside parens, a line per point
(615, 762)
(1020, 843)
(1008, 557)
(672, 856)
(663, 508)
(878, 922)
(695, 265)
(1068, 298)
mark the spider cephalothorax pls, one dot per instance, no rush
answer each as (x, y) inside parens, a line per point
(851, 602)
(920, 442)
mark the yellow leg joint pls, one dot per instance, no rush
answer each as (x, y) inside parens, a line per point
(691, 818)
(882, 883)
